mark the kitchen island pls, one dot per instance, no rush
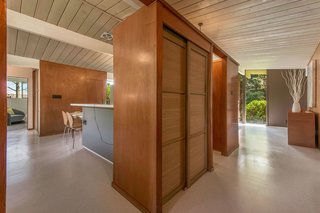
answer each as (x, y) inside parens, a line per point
(97, 129)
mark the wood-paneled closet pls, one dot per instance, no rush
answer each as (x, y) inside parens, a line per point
(162, 106)
(184, 120)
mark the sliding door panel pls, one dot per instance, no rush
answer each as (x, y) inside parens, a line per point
(197, 66)
(173, 114)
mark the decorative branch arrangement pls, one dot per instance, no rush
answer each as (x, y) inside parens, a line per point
(295, 81)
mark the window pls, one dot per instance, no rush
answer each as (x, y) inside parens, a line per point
(17, 88)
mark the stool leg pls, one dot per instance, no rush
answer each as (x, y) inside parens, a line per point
(64, 132)
(72, 138)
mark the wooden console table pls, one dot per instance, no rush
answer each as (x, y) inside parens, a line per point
(301, 129)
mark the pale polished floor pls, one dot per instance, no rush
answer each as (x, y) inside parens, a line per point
(265, 175)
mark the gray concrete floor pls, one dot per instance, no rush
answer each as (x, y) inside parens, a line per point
(265, 175)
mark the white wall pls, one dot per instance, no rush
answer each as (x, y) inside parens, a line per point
(19, 104)
(14, 71)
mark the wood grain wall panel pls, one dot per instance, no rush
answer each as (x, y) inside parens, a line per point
(135, 112)
(75, 85)
(225, 91)
(218, 105)
(3, 105)
(232, 107)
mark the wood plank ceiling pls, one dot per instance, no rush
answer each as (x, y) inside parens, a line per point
(87, 17)
(259, 34)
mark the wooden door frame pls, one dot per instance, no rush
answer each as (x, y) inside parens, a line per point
(3, 104)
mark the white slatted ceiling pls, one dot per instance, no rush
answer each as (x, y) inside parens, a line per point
(88, 19)
(33, 46)
(259, 34)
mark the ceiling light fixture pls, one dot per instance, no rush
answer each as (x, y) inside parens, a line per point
(200, 25)
(107, 36)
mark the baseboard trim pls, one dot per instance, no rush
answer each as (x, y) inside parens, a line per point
(93, 152)
(229, 152)
(130, 198)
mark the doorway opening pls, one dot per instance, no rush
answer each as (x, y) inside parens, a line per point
(256, 96)
(17, 103)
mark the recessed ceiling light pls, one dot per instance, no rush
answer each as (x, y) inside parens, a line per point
(107, 36)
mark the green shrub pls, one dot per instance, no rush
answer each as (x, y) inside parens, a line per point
(256, 110)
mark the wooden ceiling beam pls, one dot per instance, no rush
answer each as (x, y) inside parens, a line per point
(32, 25)
(20, 61)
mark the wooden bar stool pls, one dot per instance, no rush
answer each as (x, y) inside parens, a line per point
(74, 127)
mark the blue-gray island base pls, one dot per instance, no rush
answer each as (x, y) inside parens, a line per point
(97, 129)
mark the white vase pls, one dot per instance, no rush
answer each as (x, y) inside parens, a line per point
(296, 107)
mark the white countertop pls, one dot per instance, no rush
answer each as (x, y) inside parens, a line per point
(108, 106)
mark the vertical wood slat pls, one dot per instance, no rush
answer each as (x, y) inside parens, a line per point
(3, 104)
